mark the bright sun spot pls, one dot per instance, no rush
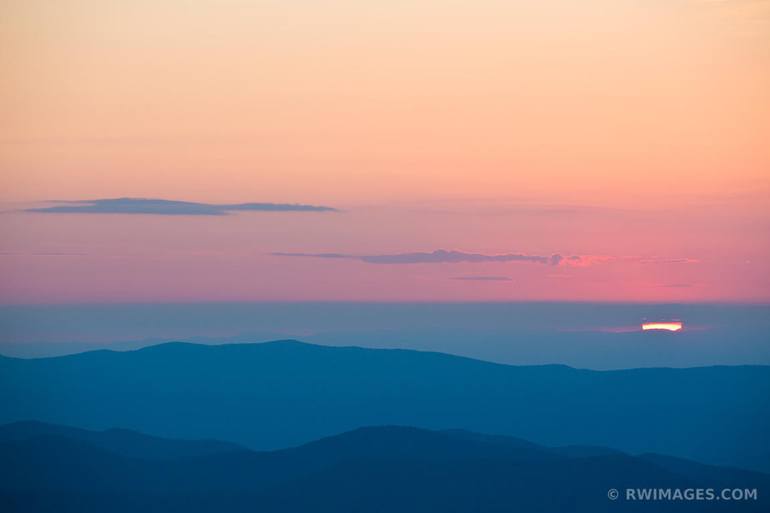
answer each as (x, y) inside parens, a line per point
(668, 326)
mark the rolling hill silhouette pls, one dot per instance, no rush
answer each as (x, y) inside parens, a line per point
(390, 468)
(123, 442)
(279, 394)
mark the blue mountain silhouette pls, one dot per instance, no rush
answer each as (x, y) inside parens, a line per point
(388, 468)
(280, 394)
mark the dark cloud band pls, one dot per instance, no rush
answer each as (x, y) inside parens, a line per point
(169, 207)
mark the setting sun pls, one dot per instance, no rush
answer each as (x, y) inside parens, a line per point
(668, 326)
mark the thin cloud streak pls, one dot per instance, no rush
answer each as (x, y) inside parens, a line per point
(149, 206)
(481, 278)
(440, 256)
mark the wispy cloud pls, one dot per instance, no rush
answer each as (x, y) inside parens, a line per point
(660, 260)
(481, 278)
(590, 260)
(168, 207)
(440, 256)
(41, 253)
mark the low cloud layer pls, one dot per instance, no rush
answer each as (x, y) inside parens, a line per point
(440, 256)
(169, 207)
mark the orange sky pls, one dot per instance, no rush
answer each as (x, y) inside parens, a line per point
(651, 116)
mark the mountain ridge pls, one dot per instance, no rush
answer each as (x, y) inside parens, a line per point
(287, 343)
(279, 394)
(376, 468)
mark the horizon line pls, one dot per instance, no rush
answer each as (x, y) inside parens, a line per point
(295, 341)
(104, 302)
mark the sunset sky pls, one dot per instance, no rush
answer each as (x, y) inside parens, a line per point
(591, 150)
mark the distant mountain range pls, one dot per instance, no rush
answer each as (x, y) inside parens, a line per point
(280, 394)
(375, 469)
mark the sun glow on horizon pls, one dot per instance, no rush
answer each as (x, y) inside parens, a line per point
(666, 326)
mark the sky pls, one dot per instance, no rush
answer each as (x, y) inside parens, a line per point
(593, 150)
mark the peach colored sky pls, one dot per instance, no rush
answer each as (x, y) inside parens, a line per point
(633, 134)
